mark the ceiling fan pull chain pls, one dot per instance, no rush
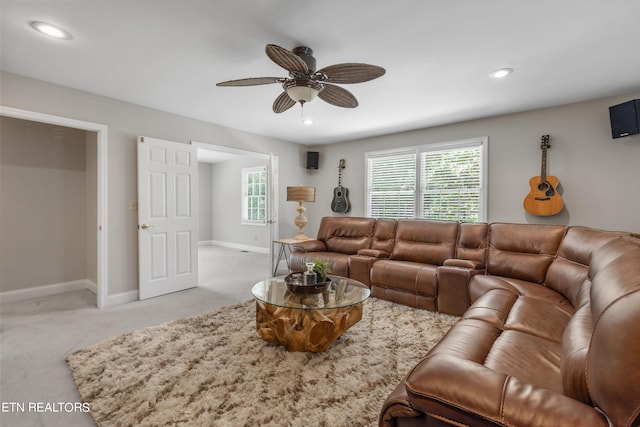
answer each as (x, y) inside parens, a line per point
(305, 121)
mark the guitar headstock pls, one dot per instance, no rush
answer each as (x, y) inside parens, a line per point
(544, 142)
(341, 164)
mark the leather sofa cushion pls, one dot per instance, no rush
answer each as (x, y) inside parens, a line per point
(523, 251)
(533, 316)
(568, 272)
(529, 358)
(346, 235)
(464, 392)
(472, 242)
(425, 241)
(338, 263)
(384, 234)
(615, 301)
(416, 278)
(469, 339)
(575, 346)
(481, 284)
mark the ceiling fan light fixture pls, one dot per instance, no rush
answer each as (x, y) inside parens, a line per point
(301, 90)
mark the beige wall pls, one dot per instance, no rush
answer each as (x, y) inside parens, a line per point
(44, 204)
(92, 205)
(599, 176)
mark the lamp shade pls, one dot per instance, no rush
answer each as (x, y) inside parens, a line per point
(301, 194)
(302, 90)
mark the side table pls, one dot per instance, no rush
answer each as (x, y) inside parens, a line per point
(285, 245)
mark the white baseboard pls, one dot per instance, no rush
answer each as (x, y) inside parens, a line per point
(47, 290)
(235, 246)
(121, 298)
(59, 288)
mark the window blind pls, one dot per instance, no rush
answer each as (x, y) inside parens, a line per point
(254, 209)
(440, 182)
(391, 186)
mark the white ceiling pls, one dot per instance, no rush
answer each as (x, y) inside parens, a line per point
(168, 54)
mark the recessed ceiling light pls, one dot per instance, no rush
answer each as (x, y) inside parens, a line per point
(51, 30)
(501, 73)
(307, 121)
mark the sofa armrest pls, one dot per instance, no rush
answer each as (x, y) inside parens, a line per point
(397, 407)
(463, 263)
(453, 286)
(462, 390)
(360, 268)
(309, 246)
(373, 253)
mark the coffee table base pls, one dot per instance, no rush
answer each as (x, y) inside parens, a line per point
(298, 329)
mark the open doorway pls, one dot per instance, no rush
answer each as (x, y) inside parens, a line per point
(222, 204)
(80, 167)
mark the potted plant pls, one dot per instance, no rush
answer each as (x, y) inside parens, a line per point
(322, 269)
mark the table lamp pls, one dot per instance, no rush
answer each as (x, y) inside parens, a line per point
(301, 194)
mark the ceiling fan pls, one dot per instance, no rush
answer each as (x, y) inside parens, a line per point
(305, 83)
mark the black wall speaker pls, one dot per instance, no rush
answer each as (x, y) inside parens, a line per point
(312, 159)
(625, 118)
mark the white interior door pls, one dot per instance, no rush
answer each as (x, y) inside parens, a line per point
(167, 216)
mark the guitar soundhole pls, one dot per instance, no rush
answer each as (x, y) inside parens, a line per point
(546, 188)
(543, 186)
(339, 194)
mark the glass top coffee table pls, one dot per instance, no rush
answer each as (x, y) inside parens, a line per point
(307, 322)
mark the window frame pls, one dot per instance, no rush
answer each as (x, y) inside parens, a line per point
(246, 197)
(417, 151)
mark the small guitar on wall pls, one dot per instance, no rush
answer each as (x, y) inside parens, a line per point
(543, 199)
(340, 202)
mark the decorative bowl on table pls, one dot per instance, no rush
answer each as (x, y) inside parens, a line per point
(295, 284)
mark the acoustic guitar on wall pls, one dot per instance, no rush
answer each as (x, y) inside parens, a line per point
(340, 202)
(543, 199)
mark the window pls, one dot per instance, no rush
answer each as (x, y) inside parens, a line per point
(441, 182)
(254, 196)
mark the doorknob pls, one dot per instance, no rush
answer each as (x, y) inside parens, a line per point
(145, 226)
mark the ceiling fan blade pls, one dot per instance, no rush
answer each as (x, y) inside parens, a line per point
(350, 73)
(338, 96)
(282, 103)
(252, 81)
(286, 59)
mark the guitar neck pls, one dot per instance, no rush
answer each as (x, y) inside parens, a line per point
(543, 171)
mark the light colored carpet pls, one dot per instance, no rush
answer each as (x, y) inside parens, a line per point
(214, 370)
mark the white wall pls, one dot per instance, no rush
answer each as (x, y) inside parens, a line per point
(599, 176)
(125, 123)
(204, 202)
(227, 205)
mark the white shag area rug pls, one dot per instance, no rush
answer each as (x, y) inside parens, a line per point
(214, 370)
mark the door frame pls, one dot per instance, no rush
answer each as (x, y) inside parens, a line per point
(273, 177)
(102, 231)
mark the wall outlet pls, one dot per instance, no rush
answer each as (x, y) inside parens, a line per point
(133, 205)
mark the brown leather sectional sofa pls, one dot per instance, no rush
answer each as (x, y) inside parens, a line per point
(550, 328)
